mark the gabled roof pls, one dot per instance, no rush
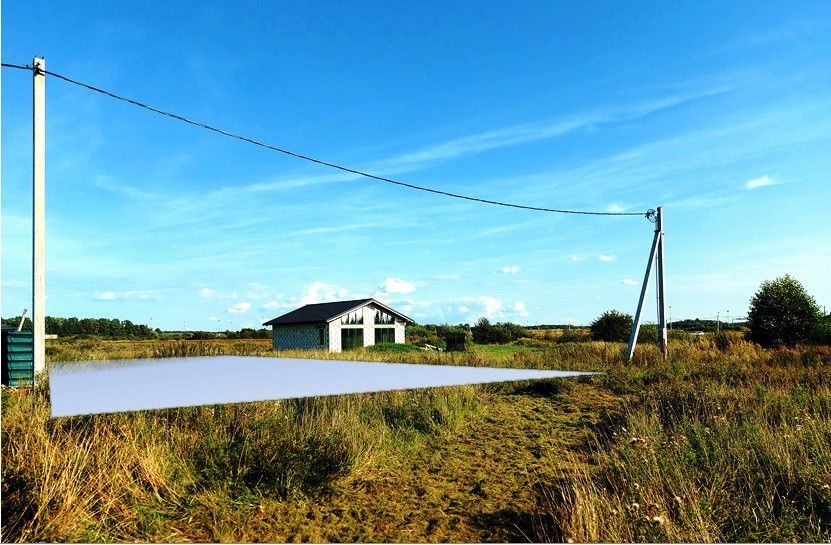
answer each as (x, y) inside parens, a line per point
(324, 312)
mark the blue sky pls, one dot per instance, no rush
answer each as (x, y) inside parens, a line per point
(719, 112)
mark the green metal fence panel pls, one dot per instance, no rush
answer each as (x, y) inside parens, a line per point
(18, 358)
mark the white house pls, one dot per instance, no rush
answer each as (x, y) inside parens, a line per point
(338, 325)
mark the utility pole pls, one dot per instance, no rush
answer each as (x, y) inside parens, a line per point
(22, 319)
(39, 213)
(636, 324)
(662, 305)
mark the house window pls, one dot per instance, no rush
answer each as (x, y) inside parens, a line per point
(382, 317)
(320, 335)
(384, 335)
(351, 338)
(353, 318)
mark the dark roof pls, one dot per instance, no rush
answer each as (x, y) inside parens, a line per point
(323, 312)
(314, 314)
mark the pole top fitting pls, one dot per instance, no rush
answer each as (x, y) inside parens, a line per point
(39, 66)
(652, 215)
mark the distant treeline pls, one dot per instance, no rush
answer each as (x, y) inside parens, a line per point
(707, 325)
(100, 327)
(683, 325)
(555, 326)
(125, 329)
(244, 333)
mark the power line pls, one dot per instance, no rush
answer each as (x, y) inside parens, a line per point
(313, 159)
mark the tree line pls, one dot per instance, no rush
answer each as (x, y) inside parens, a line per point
(100, 327)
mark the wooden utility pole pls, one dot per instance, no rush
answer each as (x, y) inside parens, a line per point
(39, 213)
(656, 254)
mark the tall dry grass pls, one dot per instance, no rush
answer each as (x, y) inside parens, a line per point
(730, 443)
(194, 473)
(725, 441)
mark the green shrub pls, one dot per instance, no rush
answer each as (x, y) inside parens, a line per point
(783, 313)
(611, 326)
(573, 335)
(648, 333)
(500, 333)
(420, 335)
(394, 347)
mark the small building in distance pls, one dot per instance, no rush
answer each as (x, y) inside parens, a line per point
(338, 326)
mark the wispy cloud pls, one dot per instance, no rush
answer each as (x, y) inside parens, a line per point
(628, 282)
(397, 285)
(512, 135)
(322, 292)
(511, 269)
(762, 181)
(109, 183)
(606, 258)
(240, 308)
(135, 295)
(577, 258)
(207, 293)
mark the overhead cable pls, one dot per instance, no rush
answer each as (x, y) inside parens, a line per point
(314, 159)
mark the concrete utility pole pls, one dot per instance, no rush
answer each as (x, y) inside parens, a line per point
(655, 254)
(662, 306)
(22, 319)
(39, 213)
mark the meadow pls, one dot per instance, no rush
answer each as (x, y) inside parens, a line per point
(725, 441)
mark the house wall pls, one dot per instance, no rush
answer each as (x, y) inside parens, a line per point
(299, 337)
(368, 311)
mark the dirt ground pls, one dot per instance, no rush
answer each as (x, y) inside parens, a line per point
(480, 484)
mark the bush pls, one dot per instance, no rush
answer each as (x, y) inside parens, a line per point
(420, 335)
(648, 333)
(783, 313)
(501, 333)
(611, 326)
(574, 335)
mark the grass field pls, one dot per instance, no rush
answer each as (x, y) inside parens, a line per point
(724, 442)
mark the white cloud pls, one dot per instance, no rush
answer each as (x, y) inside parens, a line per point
(629, 282)
(212, 318)
(464, 309)
(136, 295)
(272, 304)
(397, 285)
(491, 306)
(762, 181)
(240, 308)
(519, 308)
(511, 269)
(321, 292)
(615, 207)
(606, 258)
(257, 291)
(576, 258)
(139, 294)
(207, 293)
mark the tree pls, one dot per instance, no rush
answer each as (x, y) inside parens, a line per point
(501, 333)
(783, 313)
(611, 326)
